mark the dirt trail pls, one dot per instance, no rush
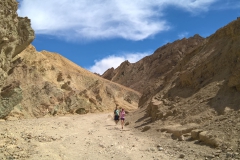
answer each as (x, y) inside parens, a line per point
(85, 137)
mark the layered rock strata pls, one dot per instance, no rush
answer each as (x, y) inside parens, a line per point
(15, 35)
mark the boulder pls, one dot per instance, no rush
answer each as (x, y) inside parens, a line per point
(209, 139)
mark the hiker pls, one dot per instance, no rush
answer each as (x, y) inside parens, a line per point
(116, 115)
(122, 117)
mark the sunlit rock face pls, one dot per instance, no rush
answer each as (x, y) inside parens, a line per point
(15, 35)
(39, 84)
(53, 85)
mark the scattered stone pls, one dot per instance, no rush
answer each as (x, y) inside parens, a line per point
(181, 156)
(195, 133)
(102, 146)
(181, 138)
(229, 154)
(127, 123)
(159, 145)
(236, 153)
(218, 151)
(146, 128)
(209, 139)
(210, 156)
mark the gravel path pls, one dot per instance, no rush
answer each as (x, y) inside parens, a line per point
(85, 137)
(95, 137)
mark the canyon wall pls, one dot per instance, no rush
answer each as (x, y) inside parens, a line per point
(15, 35)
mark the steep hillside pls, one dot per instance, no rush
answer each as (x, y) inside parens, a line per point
(37, 84)
(15, 35)
(210, 73)
(51, 84)
(191, 86)
(201, 90)
(144, 73)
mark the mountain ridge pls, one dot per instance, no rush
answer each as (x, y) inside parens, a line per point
(202, 88)
(130, 74)
(53, 85)
(187, 90)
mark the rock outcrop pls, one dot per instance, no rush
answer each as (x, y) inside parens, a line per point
(151, 69)
(15, 35)
(53, 85)
(208, 77)
(38, 84)
(195, 82)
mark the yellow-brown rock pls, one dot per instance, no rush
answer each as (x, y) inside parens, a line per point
(15, 35)
(53, 85)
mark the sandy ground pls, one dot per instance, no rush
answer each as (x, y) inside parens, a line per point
(90, 137)
(86, 137)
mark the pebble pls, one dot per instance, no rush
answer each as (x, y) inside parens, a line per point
(229, 154)
(210, 156)
(160, 149)
(236, 153)
(181, 156)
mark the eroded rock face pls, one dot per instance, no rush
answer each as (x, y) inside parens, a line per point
(53, 85)
(204, 89)
(151, 69)
(15, 35)
(189, 83)
(205, 79)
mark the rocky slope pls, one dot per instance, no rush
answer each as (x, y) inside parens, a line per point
(190, 87)
(15, 35)
(205, 79)
(37, 84)
(203, 89)
(198, 97)
(144, 73)
(51, 84)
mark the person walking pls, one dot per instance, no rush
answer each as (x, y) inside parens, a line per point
(116, 115)
(122, 117)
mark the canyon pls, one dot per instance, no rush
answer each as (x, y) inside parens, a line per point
(182, 101)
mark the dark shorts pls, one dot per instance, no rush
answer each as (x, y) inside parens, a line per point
(122, 118)
(116, 118)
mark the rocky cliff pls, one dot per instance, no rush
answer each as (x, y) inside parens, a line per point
(144, 73)
(202, 89)
(38, 84)
(53, 85)
(15, 35)
(148, 75)
(206, 78)
(190, 87)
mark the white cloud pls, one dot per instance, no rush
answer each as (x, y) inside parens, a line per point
(100, 19)
(102, 65)
(183, 35)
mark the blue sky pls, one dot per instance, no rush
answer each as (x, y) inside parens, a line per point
(100, 34)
